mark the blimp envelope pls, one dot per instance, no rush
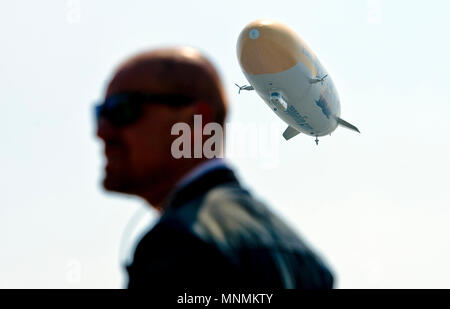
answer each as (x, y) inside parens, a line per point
(289, 78)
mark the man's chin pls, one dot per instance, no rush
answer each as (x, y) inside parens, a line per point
(115, 184)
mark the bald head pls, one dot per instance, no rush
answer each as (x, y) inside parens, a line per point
(181, 70)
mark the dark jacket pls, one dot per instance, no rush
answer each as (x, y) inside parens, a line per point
(215, 234)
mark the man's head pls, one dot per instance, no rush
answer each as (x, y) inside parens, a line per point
(176, 84)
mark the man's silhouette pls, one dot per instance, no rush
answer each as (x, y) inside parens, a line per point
(211, 232)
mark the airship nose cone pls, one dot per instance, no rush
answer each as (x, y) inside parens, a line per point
(266, 46)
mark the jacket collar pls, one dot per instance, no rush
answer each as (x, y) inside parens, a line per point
(200, 186)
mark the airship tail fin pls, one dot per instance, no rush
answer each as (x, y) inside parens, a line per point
(290, 132)
(344, 123)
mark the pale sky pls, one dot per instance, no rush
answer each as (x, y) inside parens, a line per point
(375, 205)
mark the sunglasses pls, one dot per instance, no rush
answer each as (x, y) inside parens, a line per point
(123, 109)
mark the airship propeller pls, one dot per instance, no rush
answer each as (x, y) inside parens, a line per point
(318, 79)
(245, 87)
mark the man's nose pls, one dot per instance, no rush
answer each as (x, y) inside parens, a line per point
(105, 130)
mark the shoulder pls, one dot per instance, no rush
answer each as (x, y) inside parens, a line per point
(250, 234)
(233, 217)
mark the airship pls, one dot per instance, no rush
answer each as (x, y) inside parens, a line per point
(288, 76)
